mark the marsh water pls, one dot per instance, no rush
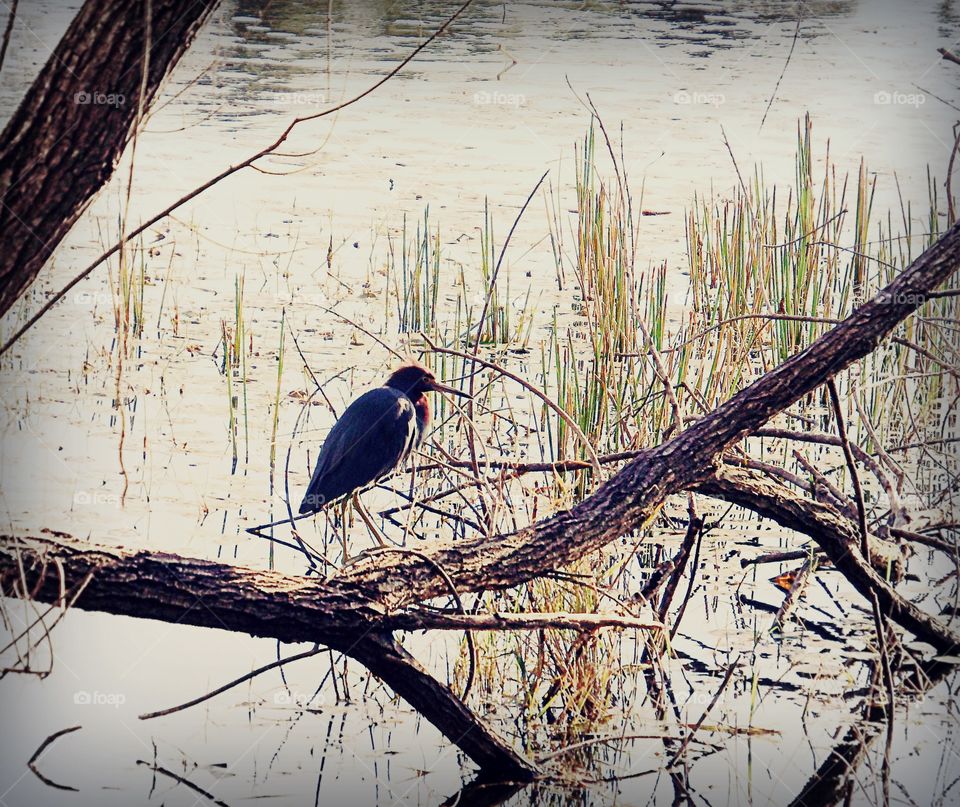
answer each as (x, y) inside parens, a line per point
(139, 440)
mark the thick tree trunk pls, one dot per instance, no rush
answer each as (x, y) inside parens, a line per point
(65, 138)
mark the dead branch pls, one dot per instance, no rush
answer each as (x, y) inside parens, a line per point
(775, 557)
(852, 467)
(201, 793)
(231, 684)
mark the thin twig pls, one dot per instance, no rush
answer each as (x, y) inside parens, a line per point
(887, 674)
(951, 209)
(786, 64)
(695, 528)
(806, 235)
(31, 763)
(360, 328)
(736, 167)
(949, 368)
(716, 696)
(741, 317)
(854, 476)
(491, 289)
(231, 684)
(574, 427)
(183, 781)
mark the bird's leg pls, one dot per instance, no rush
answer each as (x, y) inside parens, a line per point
(362, 511)
(344, 508)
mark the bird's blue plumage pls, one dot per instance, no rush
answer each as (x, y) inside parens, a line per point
(373, 436)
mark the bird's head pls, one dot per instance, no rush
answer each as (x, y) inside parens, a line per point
(414, 380)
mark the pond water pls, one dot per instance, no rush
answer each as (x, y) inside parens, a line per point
(473, 122)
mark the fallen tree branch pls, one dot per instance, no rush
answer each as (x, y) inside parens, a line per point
(262, 603)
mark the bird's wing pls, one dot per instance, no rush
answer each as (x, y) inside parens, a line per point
(373, 436)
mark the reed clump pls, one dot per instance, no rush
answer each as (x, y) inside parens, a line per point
(770, 270)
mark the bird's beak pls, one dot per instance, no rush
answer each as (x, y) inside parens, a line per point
(436, 386)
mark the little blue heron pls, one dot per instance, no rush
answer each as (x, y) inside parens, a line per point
(374, 436)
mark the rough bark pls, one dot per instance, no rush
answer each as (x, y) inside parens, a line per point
(157, 585)
(63, 142)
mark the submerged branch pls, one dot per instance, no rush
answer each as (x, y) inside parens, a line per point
(839, 538)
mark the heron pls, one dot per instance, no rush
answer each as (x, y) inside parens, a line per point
(373, 438)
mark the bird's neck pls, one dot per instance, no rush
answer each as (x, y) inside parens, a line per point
(422, 408)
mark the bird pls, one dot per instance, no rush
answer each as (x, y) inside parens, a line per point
(374, 436)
